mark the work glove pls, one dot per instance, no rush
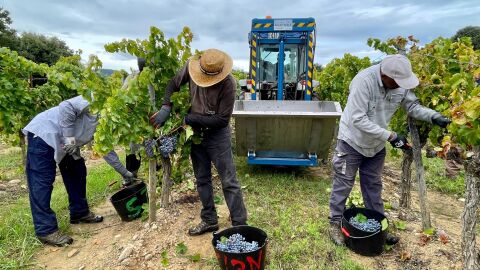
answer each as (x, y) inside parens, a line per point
(69, 145)
(440, 120)
(128, 179)
(400, 142)
(160, 117)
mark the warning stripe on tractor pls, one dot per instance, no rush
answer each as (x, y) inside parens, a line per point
(310, 64)
(253, 62)
(268, 25)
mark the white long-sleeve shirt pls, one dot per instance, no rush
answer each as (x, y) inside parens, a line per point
(369, 109)
(71, 118)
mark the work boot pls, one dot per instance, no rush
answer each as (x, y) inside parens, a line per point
(392, 239)
(89, 218)
(336, 233)
(202, 228)
(56, 239)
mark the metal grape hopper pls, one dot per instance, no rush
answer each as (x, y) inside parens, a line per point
(277, 120)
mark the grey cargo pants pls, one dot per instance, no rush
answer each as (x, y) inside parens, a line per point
(216, 148)
(346, 162)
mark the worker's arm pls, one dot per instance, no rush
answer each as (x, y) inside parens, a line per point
(181, 78)
(412, 106)
(221, 118)
(114, 161)
(358, 104)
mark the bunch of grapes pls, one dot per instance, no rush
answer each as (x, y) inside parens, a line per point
(150, 147)
(167, 145)
(370, 225)
(236, 244)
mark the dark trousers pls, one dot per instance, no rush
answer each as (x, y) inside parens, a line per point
(41, 170)
(346, 162)
(216, 148)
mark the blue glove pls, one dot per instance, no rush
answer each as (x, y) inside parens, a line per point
(160, 117)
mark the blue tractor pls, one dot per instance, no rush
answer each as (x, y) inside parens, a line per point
(278, 121)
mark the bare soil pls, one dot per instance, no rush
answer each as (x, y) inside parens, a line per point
(153, 246)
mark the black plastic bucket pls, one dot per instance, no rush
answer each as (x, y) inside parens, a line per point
(254, 260)
(129, 200)
(361, 242)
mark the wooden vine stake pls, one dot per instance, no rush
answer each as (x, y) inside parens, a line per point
(152, 189)
(422, 187)
(152, 172)
(470, 254)
(406, 184)
(166, 171)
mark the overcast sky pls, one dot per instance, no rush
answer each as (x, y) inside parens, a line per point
(342, 26)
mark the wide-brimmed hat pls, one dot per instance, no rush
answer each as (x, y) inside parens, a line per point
(399, 68)
(209, 67)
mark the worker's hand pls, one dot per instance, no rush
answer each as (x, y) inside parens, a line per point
(440, 120)
(400, 142)
(160, 117)
(69, 145)
(128, 179)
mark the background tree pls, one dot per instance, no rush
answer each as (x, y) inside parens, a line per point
(42, 49)
(470, 31)
(8, 37)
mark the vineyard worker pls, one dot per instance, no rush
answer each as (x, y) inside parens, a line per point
(212, 90)
(375, 95)
(54, 138)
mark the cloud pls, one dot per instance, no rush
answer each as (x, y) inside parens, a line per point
(342, 26)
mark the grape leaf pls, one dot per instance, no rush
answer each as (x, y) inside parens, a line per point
(361, 218)
(401, 225)
(181, 248)
(188, 132)
(384, 224)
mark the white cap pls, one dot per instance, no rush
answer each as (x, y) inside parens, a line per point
(398, 68)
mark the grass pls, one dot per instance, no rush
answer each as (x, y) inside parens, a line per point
(292, 207)
(11, 164)
(434, 174)
(17, 238)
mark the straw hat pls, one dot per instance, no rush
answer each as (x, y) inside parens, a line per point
(209, 67)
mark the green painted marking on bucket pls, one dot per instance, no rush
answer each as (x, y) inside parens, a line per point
(137, 209)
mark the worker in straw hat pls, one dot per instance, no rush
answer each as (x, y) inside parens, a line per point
(375, 95)
(212, 90)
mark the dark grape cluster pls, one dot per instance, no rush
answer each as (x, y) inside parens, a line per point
(167, 145)
(150, 147)
(236, 244)
(370, 225)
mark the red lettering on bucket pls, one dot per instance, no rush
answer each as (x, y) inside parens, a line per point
(237, 262)
(257, 263)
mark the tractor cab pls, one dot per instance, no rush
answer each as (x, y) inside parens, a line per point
(281, 59)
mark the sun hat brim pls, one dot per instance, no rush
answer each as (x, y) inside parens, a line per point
(203, 80)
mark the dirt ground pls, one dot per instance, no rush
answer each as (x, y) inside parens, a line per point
(146, 246)
(412, 252)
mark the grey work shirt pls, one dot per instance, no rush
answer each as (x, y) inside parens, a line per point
(369, 109)
(69, 119)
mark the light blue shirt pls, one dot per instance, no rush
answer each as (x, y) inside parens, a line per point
(370, 108)
(71, 118)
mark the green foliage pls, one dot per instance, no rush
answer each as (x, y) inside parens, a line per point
(8, 37)
(361, 218)
(42, 49)
(469, 31)
(125, 112)
(447, 71)
(17, 99)
(181, 248)
(400, 225)
(335, 78)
